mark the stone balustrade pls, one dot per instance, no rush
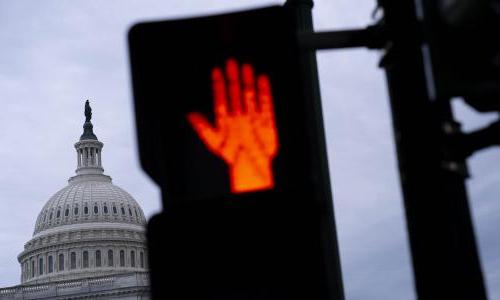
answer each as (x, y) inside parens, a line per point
(136, 283)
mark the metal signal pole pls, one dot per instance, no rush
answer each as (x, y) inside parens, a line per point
(444, 253)
(311, 85)
(432, 168)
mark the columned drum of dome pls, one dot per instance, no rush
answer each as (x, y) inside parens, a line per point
(89, 228)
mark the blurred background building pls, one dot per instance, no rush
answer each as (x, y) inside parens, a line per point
(89, 238)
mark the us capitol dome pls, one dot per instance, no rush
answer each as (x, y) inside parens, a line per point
(89, 230)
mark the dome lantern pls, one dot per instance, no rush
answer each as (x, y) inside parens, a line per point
(88, 149)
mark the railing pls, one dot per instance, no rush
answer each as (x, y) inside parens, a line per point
(137, 279)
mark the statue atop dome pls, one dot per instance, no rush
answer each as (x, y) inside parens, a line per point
(88, 111)
(88, 133)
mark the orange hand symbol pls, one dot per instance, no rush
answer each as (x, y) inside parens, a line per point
(245, 135)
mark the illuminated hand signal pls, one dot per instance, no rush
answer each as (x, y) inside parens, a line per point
(245, 134)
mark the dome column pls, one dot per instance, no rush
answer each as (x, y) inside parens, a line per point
(78, 158)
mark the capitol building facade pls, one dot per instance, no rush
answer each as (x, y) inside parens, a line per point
(89, 240)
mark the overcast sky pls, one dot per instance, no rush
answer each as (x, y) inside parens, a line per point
(56, 54)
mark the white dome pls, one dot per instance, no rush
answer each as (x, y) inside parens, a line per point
(89, 228)
(91, 198)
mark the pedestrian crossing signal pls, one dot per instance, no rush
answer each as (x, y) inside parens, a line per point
(229, 126)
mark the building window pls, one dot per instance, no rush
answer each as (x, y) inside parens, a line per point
(75, 211)
(51, 264)
(61, 262)
(96, 209)
(141, 259)
(86, 210)
(129, 211)
(40, 266)
(123, 211)
(132, 259)
(114, 210)
(105, 209)
(45, 217)
(32, 268)
(73, 260)
(110, 258)
(58, 214)
(85, 259)
(50, 217)
(66, 212)
(98, 258)
(122, 258)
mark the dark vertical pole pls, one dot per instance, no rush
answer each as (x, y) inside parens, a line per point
(319, 168)
(444, 254)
